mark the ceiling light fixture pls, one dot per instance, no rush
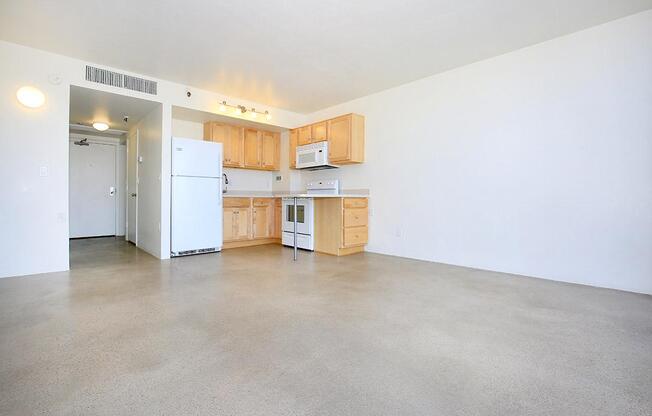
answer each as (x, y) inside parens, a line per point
(30, 97)
(98, 125)
(239, 110)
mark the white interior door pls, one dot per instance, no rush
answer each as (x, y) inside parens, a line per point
(92, 190)
(132, 187)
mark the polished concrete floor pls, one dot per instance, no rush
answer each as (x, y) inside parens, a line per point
(249, 332)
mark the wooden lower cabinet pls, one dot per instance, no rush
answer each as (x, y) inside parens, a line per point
(278, 218)
(249, 221)
(237, 219)
(341, 225)
(236, 224)
(263, 221)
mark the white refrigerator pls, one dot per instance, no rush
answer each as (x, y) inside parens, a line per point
(196, 211)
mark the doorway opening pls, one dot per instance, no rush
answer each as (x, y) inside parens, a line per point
(105, 162)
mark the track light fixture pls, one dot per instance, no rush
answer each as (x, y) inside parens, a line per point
(241, 109)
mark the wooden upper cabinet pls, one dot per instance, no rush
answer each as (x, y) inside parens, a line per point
(313, 133)
(247, 148)
(339, 143)
(319, 132)
(233, 150)
(231, 139)
(345, 135)
(346, 139)
(270, 150)
(216, 132)
(252, 149)
(294, 135)
(305, 135)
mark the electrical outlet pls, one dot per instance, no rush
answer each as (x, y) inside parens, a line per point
(43, 171)
(398, 233)
(279, 178)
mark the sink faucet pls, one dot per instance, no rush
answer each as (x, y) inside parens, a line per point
(226, 182)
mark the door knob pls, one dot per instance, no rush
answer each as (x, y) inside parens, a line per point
(111, 190)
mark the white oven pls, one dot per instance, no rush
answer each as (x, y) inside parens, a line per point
(305, 223)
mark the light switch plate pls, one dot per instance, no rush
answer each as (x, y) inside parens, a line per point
(43, 171)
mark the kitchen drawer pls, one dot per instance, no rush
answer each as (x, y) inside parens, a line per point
(355, 202)
(355, 236)
(230, 202)
(263, 202)
(355, 217)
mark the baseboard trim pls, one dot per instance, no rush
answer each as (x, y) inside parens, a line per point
(250, 243)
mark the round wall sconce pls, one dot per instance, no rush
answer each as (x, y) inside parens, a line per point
(30, 97)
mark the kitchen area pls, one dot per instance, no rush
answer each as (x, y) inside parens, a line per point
(265, 199)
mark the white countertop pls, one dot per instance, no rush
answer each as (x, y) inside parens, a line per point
(322, 196)
(248, 194)
(263, 194)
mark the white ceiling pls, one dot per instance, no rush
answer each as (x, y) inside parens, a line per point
(301, 55)
(88, 106)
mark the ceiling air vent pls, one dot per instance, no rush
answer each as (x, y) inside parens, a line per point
(116, 79)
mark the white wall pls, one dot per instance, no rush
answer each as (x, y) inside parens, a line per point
(149, 181)
(34, 209)
(187, 129)
(537, 162)
(290, 178)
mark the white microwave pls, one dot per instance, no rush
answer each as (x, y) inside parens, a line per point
(313, 156)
